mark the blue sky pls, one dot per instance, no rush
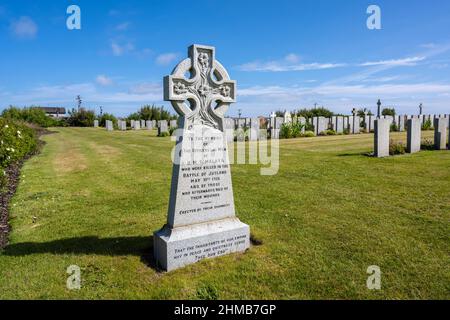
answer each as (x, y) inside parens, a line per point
(283, 54)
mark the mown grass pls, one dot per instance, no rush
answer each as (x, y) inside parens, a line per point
(93, 198)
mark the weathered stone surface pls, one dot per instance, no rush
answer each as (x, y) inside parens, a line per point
(381, 138)
(366, 124)
(334, 123)
(440, 133)
(162, 126)
(448, 127)
(350, 124)
(287, 117)
(95, 123)
(109, 125)
(229, 129)
(122, 125)
(320, 125)
(275, 130)
(356, 125)
(339, 124)
(149, 125)
(201, 216)
(401, 123)
(173, 124)
(372, 123)
(142, 124)
(254, 129)
(132, 124)
(414, 135)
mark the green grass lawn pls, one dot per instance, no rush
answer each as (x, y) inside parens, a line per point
(93, 198)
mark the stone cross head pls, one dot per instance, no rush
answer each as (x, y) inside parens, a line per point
(200, 88)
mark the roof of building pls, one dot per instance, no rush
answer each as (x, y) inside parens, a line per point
(54, 110)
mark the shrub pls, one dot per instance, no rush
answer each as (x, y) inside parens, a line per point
(309, 126)
(241, 134)
(396, 148)
(32, 115)
(308, 134)
(81, 118)
(346, 131)
(314, 112)
(152, 112)
(16, 141)
(427, 144)
(330, 132)
(291, 130)
(427, 125)
(388, 112)
(164, 134)
(394, 127)
(107, 116)
(285, 131)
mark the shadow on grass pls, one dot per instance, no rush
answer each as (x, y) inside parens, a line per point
(120, 246)
(358, 154)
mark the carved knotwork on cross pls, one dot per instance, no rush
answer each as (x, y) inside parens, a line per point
(208, 90)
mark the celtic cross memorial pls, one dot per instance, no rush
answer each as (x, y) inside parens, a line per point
(201, 220)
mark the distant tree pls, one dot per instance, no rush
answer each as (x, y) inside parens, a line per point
(79, 101)
(279, 113)
(314, 112)
(361, 112)
(388, 112)
(81, 118)
(106, 116)
(152, 112)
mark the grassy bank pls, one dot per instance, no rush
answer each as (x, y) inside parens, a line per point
(93, 198)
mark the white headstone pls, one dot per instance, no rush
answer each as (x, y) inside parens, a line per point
(381, 138)
(254, 129)
(413, 135)
(440, 133)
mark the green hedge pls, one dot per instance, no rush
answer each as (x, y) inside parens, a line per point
(16, 141)
(31, 115)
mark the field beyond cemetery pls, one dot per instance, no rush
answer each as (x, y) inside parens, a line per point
(93, 198)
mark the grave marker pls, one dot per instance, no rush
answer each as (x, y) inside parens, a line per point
(440, 133)
(413, 135)
(201, 217)
(381, 141)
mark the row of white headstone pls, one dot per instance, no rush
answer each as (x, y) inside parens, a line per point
(339, 124)
(161, 125)
(441, 125)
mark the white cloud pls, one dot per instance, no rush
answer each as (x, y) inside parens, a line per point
(24, 28)
(292, 58)
(277, 66)
(166, 58)
(121, 49)
(146, 88)
(103, 80)
(394, 62)
(123, 26)
(65, 94)
(260, 100)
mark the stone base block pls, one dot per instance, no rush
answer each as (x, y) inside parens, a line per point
(178, 247)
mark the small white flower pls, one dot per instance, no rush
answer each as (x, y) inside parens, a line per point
(6, 126)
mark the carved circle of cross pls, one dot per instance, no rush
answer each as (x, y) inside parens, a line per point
(204, 96)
